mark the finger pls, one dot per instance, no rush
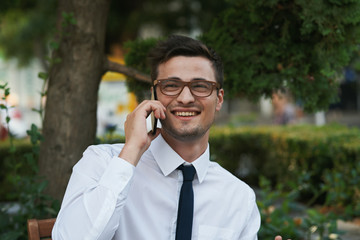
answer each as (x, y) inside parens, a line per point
(160, 113)
(158, 109)
(152, 106)
(278, 238)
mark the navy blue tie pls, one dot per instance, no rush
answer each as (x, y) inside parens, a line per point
(186, 204)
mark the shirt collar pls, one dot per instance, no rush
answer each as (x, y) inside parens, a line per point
(168, 160)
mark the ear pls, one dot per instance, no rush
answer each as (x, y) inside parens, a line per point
(220, 99)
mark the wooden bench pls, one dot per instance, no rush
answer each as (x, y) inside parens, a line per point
(40, 229)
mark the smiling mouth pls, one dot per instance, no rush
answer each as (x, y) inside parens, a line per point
(185, 114)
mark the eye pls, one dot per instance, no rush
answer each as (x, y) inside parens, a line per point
(171, 85)
(201, 86)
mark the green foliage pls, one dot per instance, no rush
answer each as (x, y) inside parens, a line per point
(27, 189)
(309, 157)
(68, 19)
(26, 26)
(4, 106)
(24, 187)
(126, 18)
(29, 23)
(342, 186)
(282, 215)
(23, 184)
(297, 44)
(137, 58)
(294, 159)
(12, 163)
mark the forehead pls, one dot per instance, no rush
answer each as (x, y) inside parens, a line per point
(187, 68)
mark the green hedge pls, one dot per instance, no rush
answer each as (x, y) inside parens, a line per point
(12, 165)
(322, 162)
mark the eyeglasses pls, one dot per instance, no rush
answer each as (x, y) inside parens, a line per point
(199, 88)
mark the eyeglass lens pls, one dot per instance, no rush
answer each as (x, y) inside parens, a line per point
(198, 88)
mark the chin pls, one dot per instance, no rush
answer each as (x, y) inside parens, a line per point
(185, 135)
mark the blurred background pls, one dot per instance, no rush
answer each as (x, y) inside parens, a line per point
(289, 127)
(27, 28)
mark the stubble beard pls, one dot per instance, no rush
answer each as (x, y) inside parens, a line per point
(185, 133)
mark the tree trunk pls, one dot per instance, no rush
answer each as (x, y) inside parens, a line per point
(70, 114)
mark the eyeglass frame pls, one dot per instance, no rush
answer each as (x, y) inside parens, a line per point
(188, 84)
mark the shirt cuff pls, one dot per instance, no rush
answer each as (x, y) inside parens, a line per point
(117, 176)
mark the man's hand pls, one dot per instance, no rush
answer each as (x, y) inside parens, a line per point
(137, 138)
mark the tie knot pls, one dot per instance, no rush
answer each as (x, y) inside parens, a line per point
(188, 172)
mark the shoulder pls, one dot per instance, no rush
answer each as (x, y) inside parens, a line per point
(104, 150)
(98, 156)
(232, 183)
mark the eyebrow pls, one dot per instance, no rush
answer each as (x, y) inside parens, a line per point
(194, 79)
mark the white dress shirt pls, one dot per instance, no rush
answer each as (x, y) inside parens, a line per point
(108, 198)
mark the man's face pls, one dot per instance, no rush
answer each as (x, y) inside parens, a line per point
(188, 117)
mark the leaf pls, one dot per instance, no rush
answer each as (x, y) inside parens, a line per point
(12, 149)
(11, 235)
(42, 186)
(36, 110)
(54, 45)
(56, 60)
(7, 92)
(73, 21)
(8, 119)
(43, 75)
(64, 15)
(3, 86)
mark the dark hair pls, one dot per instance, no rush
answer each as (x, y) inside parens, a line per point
(177, 45)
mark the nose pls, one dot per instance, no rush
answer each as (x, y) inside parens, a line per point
(185, 96)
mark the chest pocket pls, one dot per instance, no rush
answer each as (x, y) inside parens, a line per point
(214, 233)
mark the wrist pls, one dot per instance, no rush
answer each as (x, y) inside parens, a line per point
(130, 154)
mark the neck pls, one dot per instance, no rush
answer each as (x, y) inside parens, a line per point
(188, 150)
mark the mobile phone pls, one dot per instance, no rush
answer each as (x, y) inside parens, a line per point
(154, 120)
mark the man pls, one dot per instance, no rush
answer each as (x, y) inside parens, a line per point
(131, 191)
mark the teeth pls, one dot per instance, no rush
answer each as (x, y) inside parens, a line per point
(185, 114)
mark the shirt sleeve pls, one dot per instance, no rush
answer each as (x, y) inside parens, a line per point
(253, 220)
(94, 197)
